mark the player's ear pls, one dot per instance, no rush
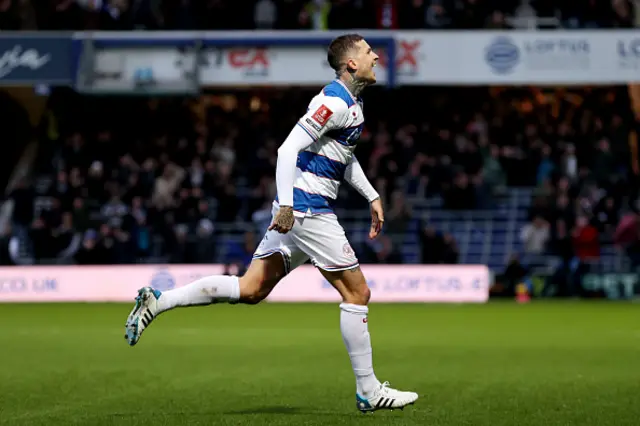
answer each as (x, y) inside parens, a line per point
(351, 66)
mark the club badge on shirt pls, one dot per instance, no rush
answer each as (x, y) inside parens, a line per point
(322, 115)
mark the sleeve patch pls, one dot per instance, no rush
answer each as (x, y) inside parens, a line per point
(322, 115)
(313, 124)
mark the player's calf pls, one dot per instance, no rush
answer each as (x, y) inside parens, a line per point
(261, 277)
(252, 291)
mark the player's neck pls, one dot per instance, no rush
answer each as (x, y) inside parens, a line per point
(354, 85)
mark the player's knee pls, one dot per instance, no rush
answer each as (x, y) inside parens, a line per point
(363, 294)
(359, 295)
(252, 290)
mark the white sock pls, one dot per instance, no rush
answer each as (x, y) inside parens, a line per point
(355, 332)
(205, 291)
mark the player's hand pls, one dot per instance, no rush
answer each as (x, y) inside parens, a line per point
(284, 220)
(377, 218)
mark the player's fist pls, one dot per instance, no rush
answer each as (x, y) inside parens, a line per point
(283, 222)
(377, 218)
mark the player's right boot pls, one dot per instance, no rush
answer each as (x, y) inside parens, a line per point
(385, 398)
(143, 312)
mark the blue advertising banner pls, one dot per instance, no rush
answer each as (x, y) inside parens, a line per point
(36, 59)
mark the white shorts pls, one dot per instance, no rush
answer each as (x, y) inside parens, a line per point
(319, 238)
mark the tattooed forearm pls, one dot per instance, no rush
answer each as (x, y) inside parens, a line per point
(285, 217)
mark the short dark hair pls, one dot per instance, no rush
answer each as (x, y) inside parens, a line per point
(338, 49)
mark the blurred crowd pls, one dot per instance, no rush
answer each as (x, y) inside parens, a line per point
(586, 186)
(133, 180)
(314, 14)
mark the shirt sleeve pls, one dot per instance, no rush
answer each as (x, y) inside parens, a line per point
(325, 113)
(297, 140)
(356, 178)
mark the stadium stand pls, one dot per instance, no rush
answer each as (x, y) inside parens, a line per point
(314, 14)
(469, 175)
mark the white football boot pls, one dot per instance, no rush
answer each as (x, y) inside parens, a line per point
(144, 311)
(385, 398)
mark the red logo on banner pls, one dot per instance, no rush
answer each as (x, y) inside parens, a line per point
(248, 58)
(406, 55)
(322, 115)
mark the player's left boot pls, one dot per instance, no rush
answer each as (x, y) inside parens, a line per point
(385, 398)
(144, 311)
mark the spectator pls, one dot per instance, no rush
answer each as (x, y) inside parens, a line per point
(65, 239)
(125, 247)
(513, 275)
(525, 17)
(9, 247)
(431, 245)
(89, 254)
(546, 166)
(535, 235)
(585, 240)
(496, 21)
(265, 13)
(492, 171)
(397, 218)
(563, 221)
(605, 215)
(241, 253)
(605, 163)
(627, 238)
(461, 194)
(569, 163)
(166, 186)
(205, 243)
(22, 196)
(315, 15)
(382, 251)
(450, 253)
(41, 239)
(438, 16)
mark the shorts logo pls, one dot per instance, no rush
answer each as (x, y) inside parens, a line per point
(313, 124)
(348, 251)
(322, 115)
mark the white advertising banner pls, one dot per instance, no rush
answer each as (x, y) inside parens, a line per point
(539, 57)
(299, 66)
(422, 58)
(456, 58)
(397, 283)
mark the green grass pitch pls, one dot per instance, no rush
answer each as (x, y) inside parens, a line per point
(546, 363)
